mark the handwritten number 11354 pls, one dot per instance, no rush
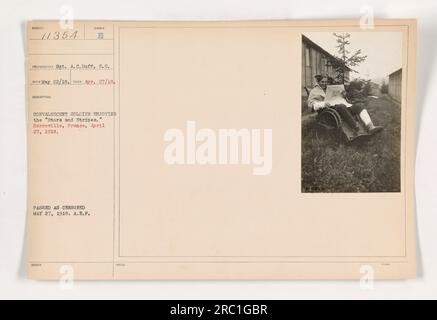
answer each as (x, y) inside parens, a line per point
(57, 35)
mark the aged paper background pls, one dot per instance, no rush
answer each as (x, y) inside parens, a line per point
(149, 220)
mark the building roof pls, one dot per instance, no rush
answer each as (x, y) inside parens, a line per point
(398, 70)
(319, 48)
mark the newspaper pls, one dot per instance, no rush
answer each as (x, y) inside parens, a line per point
(335, 95)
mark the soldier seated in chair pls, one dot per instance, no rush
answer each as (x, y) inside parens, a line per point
(316, 101)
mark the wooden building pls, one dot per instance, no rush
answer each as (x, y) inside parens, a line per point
(316, 60)
(395, 85)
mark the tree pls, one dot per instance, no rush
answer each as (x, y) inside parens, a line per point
(345, 59)
(384, 87)
(359, 89)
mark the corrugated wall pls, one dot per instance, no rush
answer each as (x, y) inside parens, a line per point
(395, 85)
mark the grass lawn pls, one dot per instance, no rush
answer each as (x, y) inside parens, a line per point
(372, 166)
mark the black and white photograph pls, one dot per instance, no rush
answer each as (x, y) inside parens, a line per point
(351, 111)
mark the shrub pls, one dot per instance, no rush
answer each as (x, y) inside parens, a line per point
(384, 87)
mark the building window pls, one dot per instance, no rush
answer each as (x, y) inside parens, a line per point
(324, 66)
(307, 57)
